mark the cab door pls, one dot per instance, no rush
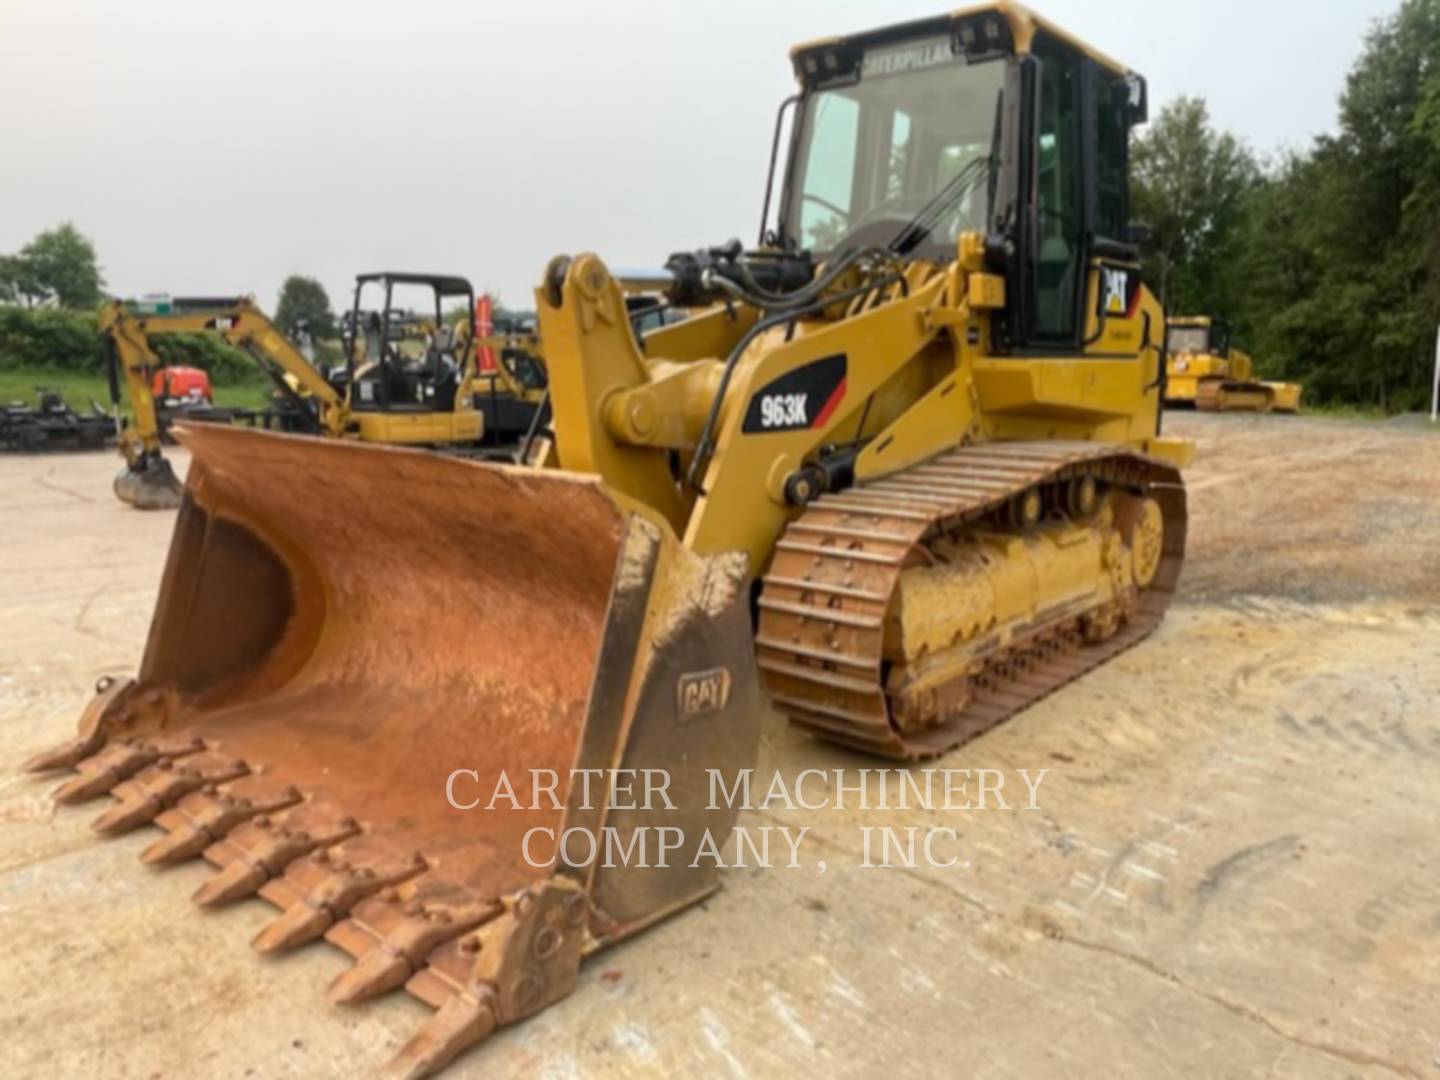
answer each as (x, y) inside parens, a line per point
(1079, 278)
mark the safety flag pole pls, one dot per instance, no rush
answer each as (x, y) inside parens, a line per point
(1435, 389)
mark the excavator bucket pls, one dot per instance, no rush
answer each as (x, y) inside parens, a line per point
(461, 720)
(149, 486)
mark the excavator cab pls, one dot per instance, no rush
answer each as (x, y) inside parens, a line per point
(411, 362)
(1202, 336)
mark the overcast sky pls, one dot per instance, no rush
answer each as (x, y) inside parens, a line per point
(213, 148)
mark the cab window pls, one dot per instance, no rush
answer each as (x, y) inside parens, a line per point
(1112, 131)
(1058, 255)
(829, 172)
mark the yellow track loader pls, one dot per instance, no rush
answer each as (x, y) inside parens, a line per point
(1204, 370)
(391, 390)
(901, 475)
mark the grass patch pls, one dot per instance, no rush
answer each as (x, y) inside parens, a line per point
(81, 387)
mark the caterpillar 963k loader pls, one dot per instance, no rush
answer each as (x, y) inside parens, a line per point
(1204, 370)
(904, 477)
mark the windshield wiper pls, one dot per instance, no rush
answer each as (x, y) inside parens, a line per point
(929, 215)
(959, 185)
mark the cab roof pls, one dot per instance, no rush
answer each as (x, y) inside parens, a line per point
(444, 284)
(1010, 26)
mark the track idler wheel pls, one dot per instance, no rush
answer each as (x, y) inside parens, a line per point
(1142, 525)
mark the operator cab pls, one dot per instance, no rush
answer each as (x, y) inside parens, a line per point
(406, 339)
(990, 121)
(1198, 337)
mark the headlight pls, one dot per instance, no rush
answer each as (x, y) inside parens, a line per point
(1182, 365)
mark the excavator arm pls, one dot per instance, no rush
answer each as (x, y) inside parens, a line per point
(147, 481)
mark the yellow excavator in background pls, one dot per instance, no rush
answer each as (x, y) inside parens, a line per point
(408, 380)
(1204, 370)
(147, 480)
(901, 474)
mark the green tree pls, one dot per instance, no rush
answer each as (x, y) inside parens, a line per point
(17, 282)
(1191, 186)
(304, 305)
(1344, 261)
(57, 267)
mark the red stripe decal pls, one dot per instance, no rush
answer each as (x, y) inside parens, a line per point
(836, 396)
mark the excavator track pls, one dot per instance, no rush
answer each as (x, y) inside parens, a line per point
(824, 602)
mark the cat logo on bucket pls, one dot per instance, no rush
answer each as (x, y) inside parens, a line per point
(699, 693)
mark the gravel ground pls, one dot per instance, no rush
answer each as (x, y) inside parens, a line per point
(1231, 871)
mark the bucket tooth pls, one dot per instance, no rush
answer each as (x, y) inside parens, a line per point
(299, 924)
(67, 755)
(391, 939)
(204, 816)
(236, 882)
(146, 795)
(110, 766)
(462, 1022)
(98, 718)
(449, 969)
(317, 892)
(515, 964)
(90, 784)
(377, 972)
(255, 851)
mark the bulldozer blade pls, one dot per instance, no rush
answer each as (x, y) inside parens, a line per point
(152, 487)
(371, 680)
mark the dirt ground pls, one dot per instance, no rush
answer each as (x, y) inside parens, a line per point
(1233, 870)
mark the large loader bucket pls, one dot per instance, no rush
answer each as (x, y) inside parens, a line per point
(356, 647)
